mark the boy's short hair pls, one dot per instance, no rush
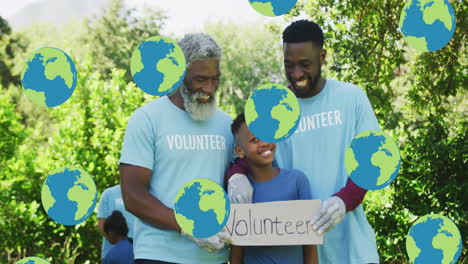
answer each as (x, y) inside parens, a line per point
(116, 223)
(237, 123)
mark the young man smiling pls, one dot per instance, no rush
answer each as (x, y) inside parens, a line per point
(332, 114)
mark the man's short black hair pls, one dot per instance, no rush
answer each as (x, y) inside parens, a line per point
(116, 223)
(302, 31)
(237, 123)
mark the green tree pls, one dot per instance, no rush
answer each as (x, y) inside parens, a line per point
(85, 131)
(251, 57)
(113, 37)
(10, 45)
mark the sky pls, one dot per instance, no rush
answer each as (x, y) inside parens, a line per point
(9, 8)
(184, 15)
(190, 15)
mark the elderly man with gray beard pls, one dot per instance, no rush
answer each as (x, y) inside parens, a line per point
(169, 142)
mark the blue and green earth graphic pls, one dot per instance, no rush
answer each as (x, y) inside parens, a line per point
(158, 66)
(372, 160)
(427, 25)
(32, 260)
(202, 208)
(272, 8)
(272, 112)
(69, 195)
(49, 77)
(434, 239)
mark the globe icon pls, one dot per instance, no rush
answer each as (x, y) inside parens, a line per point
(434, 239)
(272, 8)
(32, 260)
(201, 208)
(69, 195)
(427, 25)
(372, 160)
(158, 66)
(49, 77)
(272, 112)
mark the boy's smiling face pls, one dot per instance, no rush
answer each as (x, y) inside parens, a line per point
(255, 151)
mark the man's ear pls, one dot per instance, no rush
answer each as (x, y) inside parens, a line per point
(239, 151)
(323, 54)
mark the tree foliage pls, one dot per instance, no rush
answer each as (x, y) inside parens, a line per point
(114, 36)
(251, 57)
(10, 45)
(81, 132)
(84, 135)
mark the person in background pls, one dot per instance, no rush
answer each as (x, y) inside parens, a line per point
(115, 231)
(111, 200)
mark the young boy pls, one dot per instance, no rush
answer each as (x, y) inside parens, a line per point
(116, 230)
(269, 184)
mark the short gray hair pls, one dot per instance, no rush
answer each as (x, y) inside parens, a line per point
(198, 46)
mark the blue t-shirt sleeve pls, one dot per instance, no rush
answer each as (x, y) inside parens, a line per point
(139, 141)
(122, 252)
(109, 259)
(303, 186)
(103, 209)
(114, 256)
(365, 116)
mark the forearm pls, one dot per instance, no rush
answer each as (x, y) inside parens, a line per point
(135, 182)
(236, 255)
(100, 225)
(150, 209)
(310, 254)
(352, 195)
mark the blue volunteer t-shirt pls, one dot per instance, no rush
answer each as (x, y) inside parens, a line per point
(329, 121)
(177, 149)
(120, 253)
(111, 200)
(287, 185)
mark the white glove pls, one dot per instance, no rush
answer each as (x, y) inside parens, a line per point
(239, 189)
(332, 213)
(212, 243)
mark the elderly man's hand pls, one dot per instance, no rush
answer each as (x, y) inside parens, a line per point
(213, 243)
(239, 189)
(332, 213)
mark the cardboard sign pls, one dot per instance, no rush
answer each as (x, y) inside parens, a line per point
(274, 223)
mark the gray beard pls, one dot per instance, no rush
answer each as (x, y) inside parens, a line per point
(196, 110)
